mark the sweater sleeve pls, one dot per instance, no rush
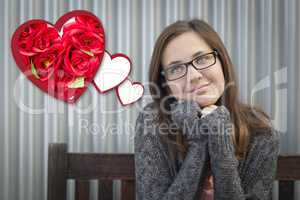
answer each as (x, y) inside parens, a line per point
(260, 168)
(153, 178)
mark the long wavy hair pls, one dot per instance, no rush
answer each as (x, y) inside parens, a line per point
(246, 119)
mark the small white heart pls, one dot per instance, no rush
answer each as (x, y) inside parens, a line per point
(129, 92)
(112, 71)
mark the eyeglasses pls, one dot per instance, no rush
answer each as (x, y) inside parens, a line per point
(201, 62)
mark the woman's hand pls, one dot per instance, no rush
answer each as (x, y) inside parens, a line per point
(185, 114)
(208, 109)
(188, 97)
(183, 110)
(219, 127)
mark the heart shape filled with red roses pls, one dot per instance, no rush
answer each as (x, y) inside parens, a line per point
(61, 59)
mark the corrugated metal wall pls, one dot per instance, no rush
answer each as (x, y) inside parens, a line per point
(262, 37)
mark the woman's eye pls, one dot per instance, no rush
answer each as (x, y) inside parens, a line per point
(203, 59)
(200, 60)
(177, 69)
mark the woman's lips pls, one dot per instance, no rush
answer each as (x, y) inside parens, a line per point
(201, 89)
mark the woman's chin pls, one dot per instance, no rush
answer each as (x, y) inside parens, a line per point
(205, 100)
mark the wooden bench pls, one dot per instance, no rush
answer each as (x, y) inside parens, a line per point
(105, 167)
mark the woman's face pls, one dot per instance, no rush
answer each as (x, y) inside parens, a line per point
(181, 49)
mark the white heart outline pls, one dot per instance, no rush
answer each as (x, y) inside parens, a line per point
(98, 75)
(131, 84)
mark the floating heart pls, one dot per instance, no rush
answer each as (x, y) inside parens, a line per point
(113, 71)
(129, 93)
(60, 59)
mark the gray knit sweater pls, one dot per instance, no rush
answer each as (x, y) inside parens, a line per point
(209, 141)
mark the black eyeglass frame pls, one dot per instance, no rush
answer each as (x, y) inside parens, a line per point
(214, 52)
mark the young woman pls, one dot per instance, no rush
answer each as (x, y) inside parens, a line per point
(197, 140)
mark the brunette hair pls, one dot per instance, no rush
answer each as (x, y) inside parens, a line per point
(246, 119)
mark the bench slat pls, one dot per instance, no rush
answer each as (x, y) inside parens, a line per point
(105, 191)
(286, 190)
(57, 166)
(127, 190)
(82, 190)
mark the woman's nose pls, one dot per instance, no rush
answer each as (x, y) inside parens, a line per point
(193, 74)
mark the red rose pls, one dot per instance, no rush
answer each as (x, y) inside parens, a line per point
(84, 42)
(88, 23)
(85, 34)
(37, 38)
(92, 24)
(25, 41)
(80, 63)
(60, 81)
(45, 63)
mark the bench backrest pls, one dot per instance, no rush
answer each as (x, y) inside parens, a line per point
(83, 167)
